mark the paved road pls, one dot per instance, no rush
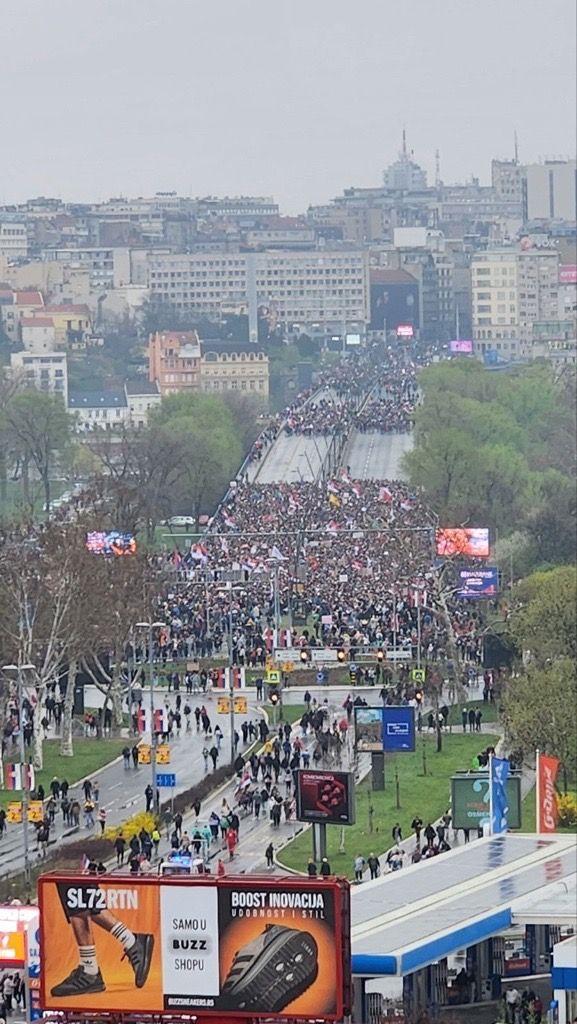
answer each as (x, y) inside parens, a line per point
(122, 791)
(294, 458)
(376, 456)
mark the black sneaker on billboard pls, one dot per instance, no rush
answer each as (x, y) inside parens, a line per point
(140, 956)
(272, 970)
(79, 983)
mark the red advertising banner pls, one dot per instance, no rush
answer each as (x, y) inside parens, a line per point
(547, 769)
(568, 273)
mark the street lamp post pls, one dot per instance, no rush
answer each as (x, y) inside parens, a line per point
(150, 626)
(19, 669)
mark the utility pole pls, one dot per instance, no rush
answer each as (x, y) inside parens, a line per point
(20, 669)
(230, 675)
(151, 626)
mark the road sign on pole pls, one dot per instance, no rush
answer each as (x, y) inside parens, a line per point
(166, 780)
(223, 705)
(240, 705)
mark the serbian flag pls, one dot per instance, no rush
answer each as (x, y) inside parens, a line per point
(159, 725)
(357, 489)
(419, 598)
(547, 813)
(141, 720)
(19, 776)
(221, 681)
(385, 495)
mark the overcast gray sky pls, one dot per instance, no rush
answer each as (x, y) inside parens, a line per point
(292, 98)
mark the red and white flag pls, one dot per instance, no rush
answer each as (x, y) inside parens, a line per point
(547, 813)
(418, 597)
(141, 720)
(19, 776)
(385, 495)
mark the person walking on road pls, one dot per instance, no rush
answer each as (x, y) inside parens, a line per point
(269, 854)
(464, 718)
(120, 849)
(397, 833)
(102, 820)
(359, 866)
(134, 753)
(148, 795)
(126, 757)
(417, 825)
(213, 752)
(374, 865)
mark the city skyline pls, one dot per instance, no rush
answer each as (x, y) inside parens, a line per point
(115, 102)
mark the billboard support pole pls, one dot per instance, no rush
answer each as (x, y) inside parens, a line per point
(418, 635)
(319, 841)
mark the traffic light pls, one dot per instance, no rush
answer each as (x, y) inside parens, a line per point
(380, 657)
(305, 656)
(419, 696)
(341, 655)
(273, 695)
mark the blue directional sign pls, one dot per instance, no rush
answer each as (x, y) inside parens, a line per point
(165, 780)
(398, 728)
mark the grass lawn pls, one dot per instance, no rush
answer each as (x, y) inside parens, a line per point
(490, 711)
(428, 796)
(89, 757)
(529, 813)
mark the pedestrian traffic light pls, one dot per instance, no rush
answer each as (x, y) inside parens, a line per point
(380, 657)
(273, 695)
(305, 656)
(419, 696)
(341, 655)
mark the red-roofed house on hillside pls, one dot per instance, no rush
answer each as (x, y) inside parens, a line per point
(24, 304)
(37, 333)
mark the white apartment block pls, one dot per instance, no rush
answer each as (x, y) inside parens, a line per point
(494, 302)
(551, 190)
(512, 289)
(46, 371)
(13, 239)
(302, 287)
(108, 267)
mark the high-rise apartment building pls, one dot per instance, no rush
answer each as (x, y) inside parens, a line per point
(512, 289)
(302, 287)
(551, 190)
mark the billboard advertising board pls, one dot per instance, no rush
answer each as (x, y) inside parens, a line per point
(213, 946)
(110, 542)
(461, 345)
(325, 797)
(478, 582)
(398, 728)
(470, 800)
(369, 728)
(472, 541)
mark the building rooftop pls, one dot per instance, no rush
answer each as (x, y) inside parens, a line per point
(37, 321)
(69, 307)
(220, 347)
(141, 387)
(28, 298)
(391, 276)
(113, 398)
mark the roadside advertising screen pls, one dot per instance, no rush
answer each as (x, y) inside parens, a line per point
(325, 797)
(369, 728)
(470, 800)
(477, 582)
(219, 947)
(398, 728)
(110, 542)
(461, 345)
(471, 541)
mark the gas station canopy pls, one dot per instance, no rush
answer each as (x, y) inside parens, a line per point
(409, 919)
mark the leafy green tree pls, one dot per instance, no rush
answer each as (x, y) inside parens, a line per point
(544, 620)
(539, 712)
(38, 426)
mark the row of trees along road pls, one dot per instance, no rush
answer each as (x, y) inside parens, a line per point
(498, 449)
(62, 609)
